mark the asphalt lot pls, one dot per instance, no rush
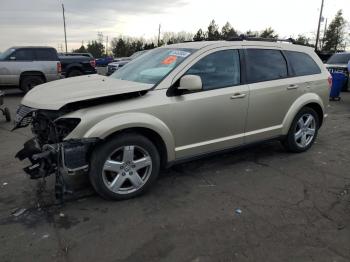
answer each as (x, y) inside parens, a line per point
(295, 207)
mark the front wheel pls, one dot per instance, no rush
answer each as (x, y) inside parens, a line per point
(303, 131)
(124, 166)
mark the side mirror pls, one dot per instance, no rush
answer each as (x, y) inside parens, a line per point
(12, 58)
(191, 83)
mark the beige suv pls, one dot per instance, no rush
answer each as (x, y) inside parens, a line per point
(173, 104)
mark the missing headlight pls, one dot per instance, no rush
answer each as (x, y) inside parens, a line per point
(64, 126)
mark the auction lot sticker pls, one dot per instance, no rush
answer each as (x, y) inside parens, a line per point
(179, 53)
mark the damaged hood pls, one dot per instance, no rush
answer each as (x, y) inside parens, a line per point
(56, 94)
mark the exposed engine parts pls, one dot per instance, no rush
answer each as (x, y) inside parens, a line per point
(48, 152)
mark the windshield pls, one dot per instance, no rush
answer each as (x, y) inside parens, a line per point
(5, 54)
(153, 66)
(341, 58)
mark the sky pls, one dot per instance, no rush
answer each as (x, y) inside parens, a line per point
(39, 22)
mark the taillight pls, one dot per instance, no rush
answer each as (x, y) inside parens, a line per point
(330, 81)
(59, 68)
(93, 63)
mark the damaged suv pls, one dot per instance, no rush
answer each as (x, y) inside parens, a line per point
(173, 104)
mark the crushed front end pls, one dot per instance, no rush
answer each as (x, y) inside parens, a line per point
(48, 151)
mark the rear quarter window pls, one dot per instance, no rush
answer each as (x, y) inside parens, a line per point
(302, 64)
(265, 65)
(46, 55)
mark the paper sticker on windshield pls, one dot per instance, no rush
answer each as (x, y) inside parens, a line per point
(169, 60)
(180, 53)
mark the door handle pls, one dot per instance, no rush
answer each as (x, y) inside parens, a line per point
(238, 95)
(292, 86)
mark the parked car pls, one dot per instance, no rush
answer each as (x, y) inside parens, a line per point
(112, 67)
(77, 65)
(174, 104)
(102, 62)
(77, 54)
(338, 63)
(29, 66)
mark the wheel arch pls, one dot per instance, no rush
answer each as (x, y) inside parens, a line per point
(32, 73)
(311, 100)
(141, 123)
(153, 136)
(72, 67)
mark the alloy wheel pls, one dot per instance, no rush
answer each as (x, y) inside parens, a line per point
(127, 169)
(305, 130)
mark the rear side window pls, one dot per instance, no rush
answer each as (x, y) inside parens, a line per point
(302, 64)
(218, 70)
(265, 65)
(45, 55)
(24, 55)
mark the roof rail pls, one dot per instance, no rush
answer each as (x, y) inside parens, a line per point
(254, 38)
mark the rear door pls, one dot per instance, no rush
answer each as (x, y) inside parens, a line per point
(46, 60)
(271, 92)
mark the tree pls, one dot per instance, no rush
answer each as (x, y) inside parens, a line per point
(96, 49)
(81, 49)
(126, 46)
(269, 33)
(179, 37)
(251, 33)
(199, 36)
(335, 34)
(227, 32)
(149, 46)
(213, 31)
(303, 40)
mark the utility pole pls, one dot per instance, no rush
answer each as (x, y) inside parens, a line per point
(324, 33)
(319, 26)
(107, 45)
(64, 25)
(159, 35)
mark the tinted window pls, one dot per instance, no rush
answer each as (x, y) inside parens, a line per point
(340, 58)
(302, 63)
(45, 55)
(24, 55)
(219, 69)
(265, 64)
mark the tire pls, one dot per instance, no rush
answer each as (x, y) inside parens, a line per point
(28, 82)
(7, 114)
(114, 172)
(74, 72)
(303, 131)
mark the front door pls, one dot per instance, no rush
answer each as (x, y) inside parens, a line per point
(214, 118)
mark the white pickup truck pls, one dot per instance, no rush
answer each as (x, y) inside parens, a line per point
(27, 67)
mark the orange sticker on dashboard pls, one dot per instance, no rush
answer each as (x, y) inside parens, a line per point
(169, 60)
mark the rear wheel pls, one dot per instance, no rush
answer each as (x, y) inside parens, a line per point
(29, 82)
(74, 72)
(124, 167)
(303, 131)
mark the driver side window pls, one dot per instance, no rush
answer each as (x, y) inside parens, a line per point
(218, 70)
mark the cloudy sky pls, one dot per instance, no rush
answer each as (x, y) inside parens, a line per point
(39, 22)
